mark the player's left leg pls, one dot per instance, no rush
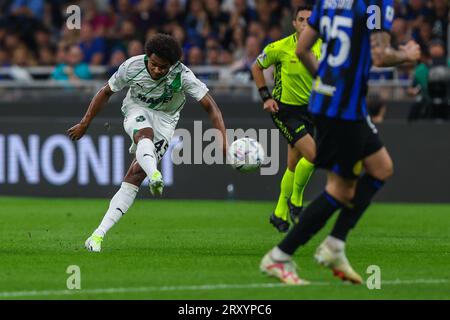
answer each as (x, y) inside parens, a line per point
(118, 206)
(145, 130)
(379, 168)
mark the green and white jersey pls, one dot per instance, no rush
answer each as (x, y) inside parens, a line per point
(166, 94)
(292, 80)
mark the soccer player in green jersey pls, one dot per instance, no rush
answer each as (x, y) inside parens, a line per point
(157, 84)
(288, 106)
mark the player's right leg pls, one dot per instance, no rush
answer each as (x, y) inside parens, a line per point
(379, 168)
(142, 127)
(147, 158)
(331, 253)
(118, 206)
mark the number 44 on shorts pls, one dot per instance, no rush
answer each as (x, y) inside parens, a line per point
(161, 148)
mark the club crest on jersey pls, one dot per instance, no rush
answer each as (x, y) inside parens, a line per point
(140, 119)
(168, 90)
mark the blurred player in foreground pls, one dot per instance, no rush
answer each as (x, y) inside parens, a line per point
(346, 139)
(157, 84)
(289, 111)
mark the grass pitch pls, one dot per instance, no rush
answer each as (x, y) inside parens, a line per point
(210, 250)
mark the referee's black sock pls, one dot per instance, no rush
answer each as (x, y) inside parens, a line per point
(312, 219)
(348, 217)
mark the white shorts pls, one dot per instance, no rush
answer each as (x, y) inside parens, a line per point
(162, 124)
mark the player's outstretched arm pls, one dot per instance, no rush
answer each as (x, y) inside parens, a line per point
(97, 103)
(307, 39)
(383, 55)
(215, 115)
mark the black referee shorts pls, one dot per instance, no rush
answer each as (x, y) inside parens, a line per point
(294, 122)
(342, 145)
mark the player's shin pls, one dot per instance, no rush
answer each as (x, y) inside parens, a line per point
(313, 218)
(146, 156)
(286, 187)
(119, 204)
(303, 172)
(366, 189)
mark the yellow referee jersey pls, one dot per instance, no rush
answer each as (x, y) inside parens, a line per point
(292, 80)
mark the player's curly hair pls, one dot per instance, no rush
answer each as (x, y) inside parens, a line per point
(165, 47)
(306, 7)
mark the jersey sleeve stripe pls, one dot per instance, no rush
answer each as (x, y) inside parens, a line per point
(260, 64)
(136, 75)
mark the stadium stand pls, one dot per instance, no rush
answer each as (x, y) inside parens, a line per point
(220, 38)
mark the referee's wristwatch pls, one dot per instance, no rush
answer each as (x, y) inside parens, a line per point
(264, 93)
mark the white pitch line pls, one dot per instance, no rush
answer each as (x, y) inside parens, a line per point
(207, 287)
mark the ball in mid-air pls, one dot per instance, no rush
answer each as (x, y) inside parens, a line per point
(246, 155)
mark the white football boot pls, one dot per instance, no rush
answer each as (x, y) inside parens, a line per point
(283, 270)
(337, 262)
(94, 243)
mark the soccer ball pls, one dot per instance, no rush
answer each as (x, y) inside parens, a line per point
(245, 155)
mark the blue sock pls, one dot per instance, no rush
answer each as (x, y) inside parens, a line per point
(366, 189)
(311, 220)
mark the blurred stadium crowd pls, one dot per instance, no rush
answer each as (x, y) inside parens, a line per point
(212, 32)
(227, 33)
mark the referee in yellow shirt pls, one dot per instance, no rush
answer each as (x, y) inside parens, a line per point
(288, 106)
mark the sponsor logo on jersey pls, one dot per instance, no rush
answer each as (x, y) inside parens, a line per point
(166, 96)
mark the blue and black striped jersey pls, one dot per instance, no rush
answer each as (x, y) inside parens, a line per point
(340, 85)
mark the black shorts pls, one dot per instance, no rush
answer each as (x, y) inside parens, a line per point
(342, 145)
(294, 122)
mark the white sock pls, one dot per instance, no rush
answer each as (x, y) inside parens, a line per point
(119, 204)
(335, 244)
(279, 255)
(146, 156)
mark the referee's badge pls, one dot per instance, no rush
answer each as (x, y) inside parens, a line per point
(262, 57)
